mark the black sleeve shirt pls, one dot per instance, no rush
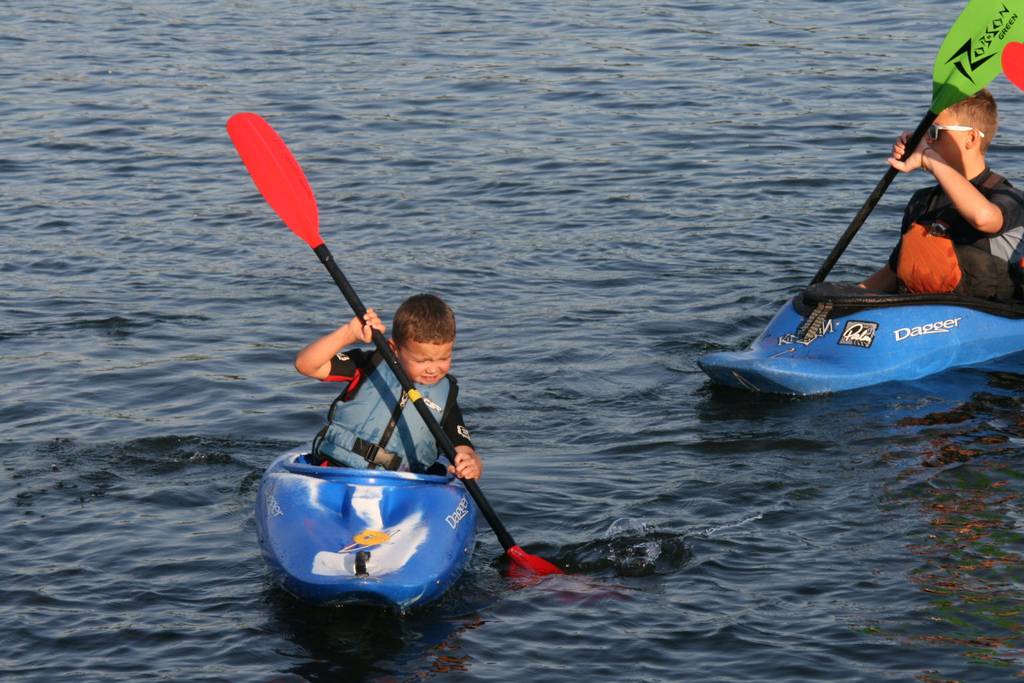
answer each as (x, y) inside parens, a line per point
(931, 204)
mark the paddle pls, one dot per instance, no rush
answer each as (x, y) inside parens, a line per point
(1013, 63)
(964, 65)
(280, 179)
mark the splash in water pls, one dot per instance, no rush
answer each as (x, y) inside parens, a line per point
(630, 547)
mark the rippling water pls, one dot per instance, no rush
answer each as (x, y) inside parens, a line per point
(603, 192)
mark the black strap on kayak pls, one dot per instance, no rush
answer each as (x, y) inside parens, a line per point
(814, 325)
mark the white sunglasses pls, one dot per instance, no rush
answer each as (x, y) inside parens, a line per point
(933, 130)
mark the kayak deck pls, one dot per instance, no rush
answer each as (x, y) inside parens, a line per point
(335, 535)
(836, 338)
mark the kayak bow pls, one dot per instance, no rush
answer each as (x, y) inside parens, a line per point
(335, 535)
(834, 338)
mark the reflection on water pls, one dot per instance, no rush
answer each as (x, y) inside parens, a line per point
(968, 486)
(359, 642)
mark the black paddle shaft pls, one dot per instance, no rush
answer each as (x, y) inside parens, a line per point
(324, 254)
(872, 200)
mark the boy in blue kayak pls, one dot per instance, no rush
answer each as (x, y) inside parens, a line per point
(964, 234)
(372, 423)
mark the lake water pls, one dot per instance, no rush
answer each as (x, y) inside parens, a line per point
(603, 192)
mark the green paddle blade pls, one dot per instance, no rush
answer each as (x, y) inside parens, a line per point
(969, 57)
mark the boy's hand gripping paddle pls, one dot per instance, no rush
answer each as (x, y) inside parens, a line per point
(280, 179)
(966, 62)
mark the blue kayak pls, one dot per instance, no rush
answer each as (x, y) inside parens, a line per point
(335, 535)
(838, 337)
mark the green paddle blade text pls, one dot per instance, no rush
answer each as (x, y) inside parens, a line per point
(970, 55)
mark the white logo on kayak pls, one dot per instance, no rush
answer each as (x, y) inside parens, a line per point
(791, 338)
(859, 333)
(272, 507)
(461, 511)
(940, 327)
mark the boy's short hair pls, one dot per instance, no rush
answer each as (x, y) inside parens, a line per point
(424, 318)
(978, 110)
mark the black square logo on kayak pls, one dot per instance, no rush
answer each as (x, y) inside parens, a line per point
(858, 333)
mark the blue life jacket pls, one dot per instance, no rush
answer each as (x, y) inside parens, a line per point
(364, 411)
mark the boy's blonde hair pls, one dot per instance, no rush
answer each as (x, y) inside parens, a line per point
(978, 110)
(424, 318)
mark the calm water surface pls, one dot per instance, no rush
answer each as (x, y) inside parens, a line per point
(603, 193)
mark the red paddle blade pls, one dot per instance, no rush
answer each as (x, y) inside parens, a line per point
(537, 565)
(277, 175)
(1013, 63)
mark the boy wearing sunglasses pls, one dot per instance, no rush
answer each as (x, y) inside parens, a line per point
(964, 234)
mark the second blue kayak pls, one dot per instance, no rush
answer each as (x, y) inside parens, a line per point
(835, 338)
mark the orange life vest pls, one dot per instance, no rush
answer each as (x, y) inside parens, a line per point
(932, 260)
(928, 262)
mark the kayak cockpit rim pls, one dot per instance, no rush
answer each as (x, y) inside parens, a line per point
(297, 464)
(844, 299)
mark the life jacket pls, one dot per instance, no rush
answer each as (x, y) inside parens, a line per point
(939, 253)
(373, 423)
